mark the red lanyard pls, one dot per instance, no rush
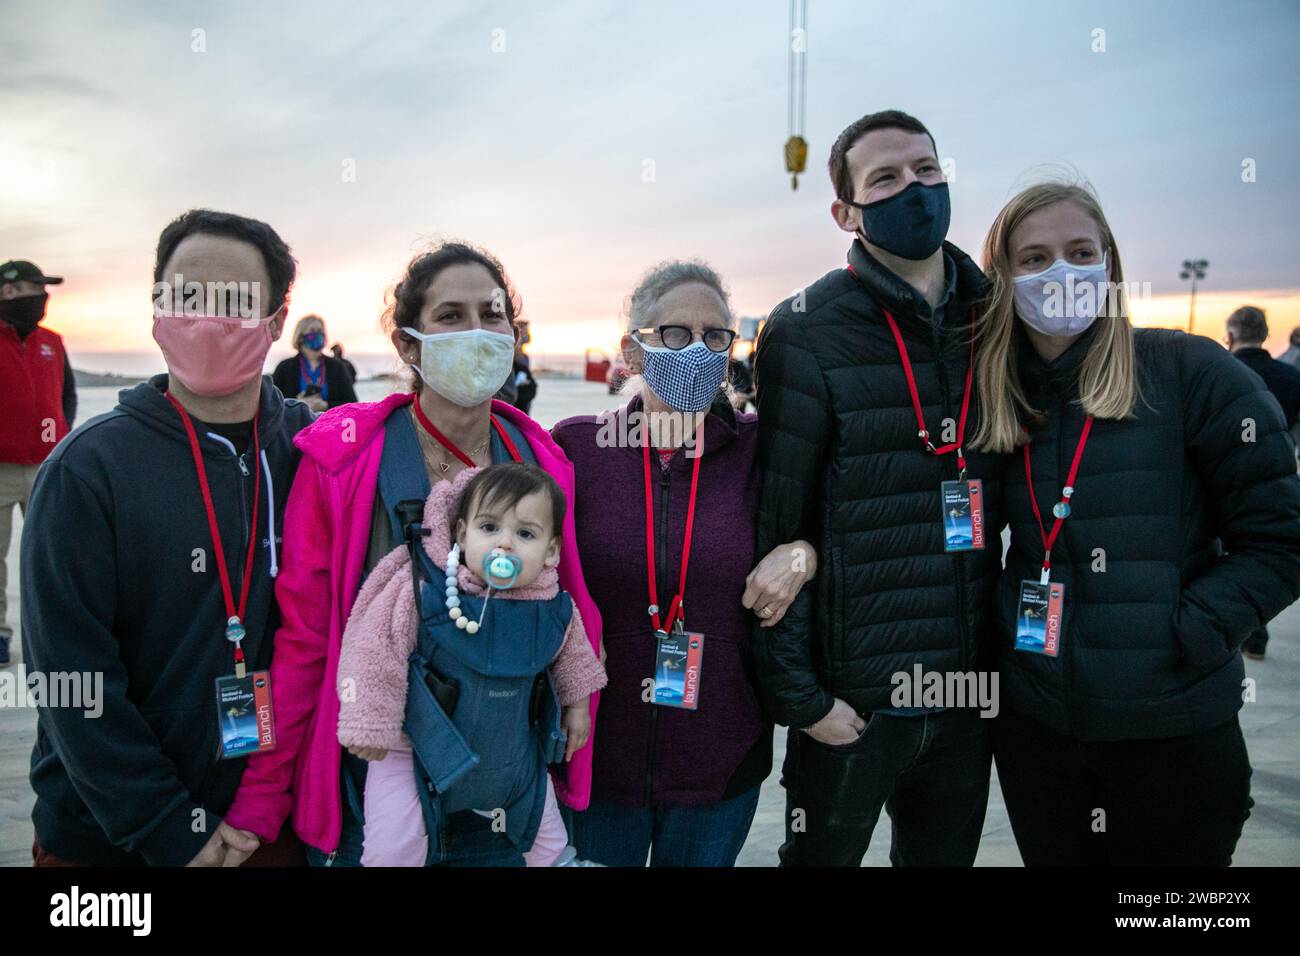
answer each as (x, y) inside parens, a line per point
(448, 444)
(234, 615)
(916, 398)
(506, 439)
(1062, 508)
(675, 611)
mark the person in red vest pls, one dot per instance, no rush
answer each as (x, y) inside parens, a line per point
(37, 403)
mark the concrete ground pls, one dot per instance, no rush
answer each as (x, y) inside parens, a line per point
(1271, 724)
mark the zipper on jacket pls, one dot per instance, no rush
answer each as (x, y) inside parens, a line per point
(208, 779)
(958, 557)
(243, 498)
(244, 513)
(1061, 546)
(661, 573)
(245, 530)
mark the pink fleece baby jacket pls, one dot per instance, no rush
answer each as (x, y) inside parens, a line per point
(381, 634)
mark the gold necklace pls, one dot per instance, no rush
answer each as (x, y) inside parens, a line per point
(429, 445)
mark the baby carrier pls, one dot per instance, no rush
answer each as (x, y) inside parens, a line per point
(482, 716)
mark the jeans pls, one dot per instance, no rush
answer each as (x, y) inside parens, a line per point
(465, 838)
(1177, 801)
(708, 835)
(930, 772)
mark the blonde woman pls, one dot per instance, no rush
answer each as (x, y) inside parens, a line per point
(320, 380)
(1153, 505)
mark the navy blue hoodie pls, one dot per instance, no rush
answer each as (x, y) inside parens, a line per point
(112, 582)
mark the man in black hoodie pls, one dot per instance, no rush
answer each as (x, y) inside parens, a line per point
(122, 577)
(864, 393)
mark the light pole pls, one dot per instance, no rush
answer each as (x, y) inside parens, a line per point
(1193, 269)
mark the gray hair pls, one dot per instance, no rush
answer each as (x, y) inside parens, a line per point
(659, 280)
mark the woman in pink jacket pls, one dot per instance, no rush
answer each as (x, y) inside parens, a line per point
(452, 318)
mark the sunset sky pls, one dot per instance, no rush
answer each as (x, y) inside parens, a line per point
(113, 124)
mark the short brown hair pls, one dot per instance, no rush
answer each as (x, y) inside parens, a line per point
(1248, 324)
(838, 164)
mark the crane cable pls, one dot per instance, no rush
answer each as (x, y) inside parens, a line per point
(796, 147)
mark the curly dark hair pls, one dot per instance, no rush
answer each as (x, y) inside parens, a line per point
(403, 302)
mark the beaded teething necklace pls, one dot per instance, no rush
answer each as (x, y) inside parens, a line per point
(496, 567)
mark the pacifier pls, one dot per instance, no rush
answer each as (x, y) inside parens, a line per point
(500, 567)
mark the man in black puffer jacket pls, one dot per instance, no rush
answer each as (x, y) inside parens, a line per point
(843, 466)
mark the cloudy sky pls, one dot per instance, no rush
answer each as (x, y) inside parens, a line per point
(584, 141)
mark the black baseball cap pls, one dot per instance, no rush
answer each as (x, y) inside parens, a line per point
(20, 270)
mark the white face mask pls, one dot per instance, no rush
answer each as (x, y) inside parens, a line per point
(467, 367)
(1062, 299)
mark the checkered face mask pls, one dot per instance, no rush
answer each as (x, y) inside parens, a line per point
(686, 379)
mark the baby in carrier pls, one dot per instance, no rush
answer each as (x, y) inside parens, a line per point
(480, 649)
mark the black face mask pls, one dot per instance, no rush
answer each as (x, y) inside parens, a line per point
(25, 312)
(911, 223)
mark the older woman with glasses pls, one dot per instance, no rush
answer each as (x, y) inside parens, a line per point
(666, 496)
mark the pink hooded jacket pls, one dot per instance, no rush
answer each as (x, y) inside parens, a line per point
(382, 633)
(327, 533)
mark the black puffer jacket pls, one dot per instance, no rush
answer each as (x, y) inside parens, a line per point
(842, 466)
(1149, 645)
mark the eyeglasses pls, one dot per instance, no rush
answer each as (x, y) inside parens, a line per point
(677, 337)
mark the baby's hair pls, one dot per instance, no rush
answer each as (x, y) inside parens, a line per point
(503, 486)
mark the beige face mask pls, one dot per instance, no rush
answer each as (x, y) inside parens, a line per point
(466, 367)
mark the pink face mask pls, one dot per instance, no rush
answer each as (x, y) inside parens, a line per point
(212, 355)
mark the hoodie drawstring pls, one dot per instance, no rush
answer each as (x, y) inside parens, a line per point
(270, 512)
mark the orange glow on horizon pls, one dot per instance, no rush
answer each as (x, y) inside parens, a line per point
(117, 319)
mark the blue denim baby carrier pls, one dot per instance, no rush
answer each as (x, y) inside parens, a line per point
(482, 716)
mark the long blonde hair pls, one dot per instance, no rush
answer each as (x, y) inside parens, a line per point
(1108, 385)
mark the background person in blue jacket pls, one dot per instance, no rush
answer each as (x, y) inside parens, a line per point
(318, 380)
(1155, 523)
(122, 576)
